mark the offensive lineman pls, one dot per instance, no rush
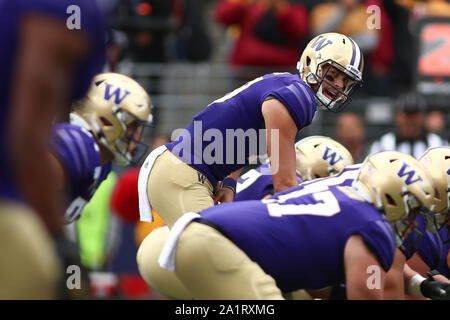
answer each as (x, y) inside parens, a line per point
(256, 250)
(431, 246)
(316, 156)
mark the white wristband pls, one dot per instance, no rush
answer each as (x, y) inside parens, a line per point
(414, 285)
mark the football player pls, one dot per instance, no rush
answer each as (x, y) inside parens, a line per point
(316, 157)
(105, 126)
(48, 58)
(201, 167)
(306, 237)
(432, 258)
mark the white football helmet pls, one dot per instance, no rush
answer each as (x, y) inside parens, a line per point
(319, 157)
(396, 184)
(322, 56)
(437, 161)
(400, 187)
(117, 110)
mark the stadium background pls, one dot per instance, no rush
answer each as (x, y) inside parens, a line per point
(179, 52)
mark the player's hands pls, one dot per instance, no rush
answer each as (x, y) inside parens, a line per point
(441, 278)
(435, 290)
(224, 195)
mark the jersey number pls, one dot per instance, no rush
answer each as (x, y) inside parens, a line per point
(241, 88)
(326, 206)
(249, 178)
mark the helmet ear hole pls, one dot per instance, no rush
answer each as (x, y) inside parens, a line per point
(105, 122)
(436, 194)
(308, 61)
(390, 200)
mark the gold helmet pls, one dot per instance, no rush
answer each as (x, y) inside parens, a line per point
(324, 52)
(116, 109)
(319, 157)
(437, 161)
(396, 183)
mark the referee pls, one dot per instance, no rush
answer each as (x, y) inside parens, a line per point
(410, 135)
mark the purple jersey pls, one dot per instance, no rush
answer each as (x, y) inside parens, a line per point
(209, 145)
(299, 237)
(344, 178)
(11, 14)
(434, 248)
(256, 184)
(79, 154)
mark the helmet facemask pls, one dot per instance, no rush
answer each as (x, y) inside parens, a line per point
(329, 97)
(133, 131)
(407, 234)
(117, 110)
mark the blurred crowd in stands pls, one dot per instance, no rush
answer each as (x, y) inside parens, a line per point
(270, 32)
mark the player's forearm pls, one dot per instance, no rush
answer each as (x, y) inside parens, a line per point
(29, 148)
(235, 175)
(394, 287)
(284, 184)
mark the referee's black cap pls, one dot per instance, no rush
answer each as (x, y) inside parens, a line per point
(410, 103)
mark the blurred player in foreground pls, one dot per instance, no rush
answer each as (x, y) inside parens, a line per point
(45, 65)
(310, 236)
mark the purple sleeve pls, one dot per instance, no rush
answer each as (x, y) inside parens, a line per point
(257, 190)
(79, 155)
(431, 249)
(379, 238)
(299, 100)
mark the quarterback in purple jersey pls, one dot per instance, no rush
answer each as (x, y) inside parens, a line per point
(259, 249)
(44, 65)
(104, 126)
(316, 157)
(263, 116)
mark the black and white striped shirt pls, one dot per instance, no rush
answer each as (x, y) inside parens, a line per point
(415, 148)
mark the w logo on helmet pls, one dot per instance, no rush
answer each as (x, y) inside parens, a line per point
(332, 155)
(116, 93)
(409, 175)
(320, 42)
